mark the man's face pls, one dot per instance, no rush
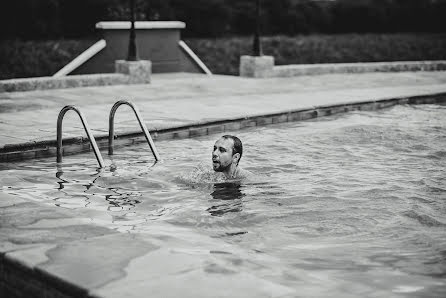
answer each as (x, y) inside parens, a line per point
(222, 155)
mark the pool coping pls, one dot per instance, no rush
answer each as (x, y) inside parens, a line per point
(81, 144)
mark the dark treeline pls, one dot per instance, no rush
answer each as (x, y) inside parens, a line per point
(50, 19)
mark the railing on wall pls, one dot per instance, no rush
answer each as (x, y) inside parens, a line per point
(82, 58)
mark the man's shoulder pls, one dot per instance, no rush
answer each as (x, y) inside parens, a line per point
(243, 174)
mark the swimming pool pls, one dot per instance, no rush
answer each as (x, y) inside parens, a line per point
(349, 205)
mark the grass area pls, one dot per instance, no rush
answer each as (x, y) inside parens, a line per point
(222, 55)
(20, 59)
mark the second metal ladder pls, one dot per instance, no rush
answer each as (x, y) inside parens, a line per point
(111, 127)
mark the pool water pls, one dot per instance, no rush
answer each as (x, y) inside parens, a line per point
(348, 205)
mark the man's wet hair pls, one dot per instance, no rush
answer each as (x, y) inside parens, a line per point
(238, 147)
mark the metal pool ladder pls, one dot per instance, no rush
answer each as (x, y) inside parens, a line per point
(141, 124)
(62, 112)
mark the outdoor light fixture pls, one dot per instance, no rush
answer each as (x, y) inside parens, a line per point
(133, 53)
(257, 47)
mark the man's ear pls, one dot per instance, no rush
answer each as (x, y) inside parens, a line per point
(236, 157)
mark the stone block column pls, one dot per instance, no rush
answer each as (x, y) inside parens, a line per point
(256, 66)
(139, 72)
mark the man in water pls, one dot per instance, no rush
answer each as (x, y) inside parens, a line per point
(226, 156)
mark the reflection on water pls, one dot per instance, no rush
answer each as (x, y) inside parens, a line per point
(226, 197)
(120, 193)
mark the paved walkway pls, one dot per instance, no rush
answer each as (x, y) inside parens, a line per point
(182, 99)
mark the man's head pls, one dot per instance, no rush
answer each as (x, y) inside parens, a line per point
(227, 152)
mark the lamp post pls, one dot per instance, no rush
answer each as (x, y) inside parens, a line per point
(257, 47)
(132, 53)
(257, 65)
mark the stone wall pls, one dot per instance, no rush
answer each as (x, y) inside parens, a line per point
(263, 67)
(127, 72)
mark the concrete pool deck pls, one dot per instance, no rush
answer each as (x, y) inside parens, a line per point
(54, 252)
(178, 105)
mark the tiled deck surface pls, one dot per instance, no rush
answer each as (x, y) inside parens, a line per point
(64, 253)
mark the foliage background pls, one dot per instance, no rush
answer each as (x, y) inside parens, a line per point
(222, 55)
(53, 19)
(38, 37)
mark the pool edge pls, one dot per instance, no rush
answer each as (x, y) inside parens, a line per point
(81, 144)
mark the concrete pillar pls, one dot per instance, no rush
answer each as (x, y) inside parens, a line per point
(139, 72)
(256, 66)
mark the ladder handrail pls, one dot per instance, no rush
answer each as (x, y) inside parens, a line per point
(141, 124)
(91, 138)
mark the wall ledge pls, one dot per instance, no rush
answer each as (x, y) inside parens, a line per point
(74, 81)
(357, 67)
(259, 67)
(122, 25)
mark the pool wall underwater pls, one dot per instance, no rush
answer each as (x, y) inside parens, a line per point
(52, 252)
(76, 145)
